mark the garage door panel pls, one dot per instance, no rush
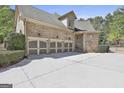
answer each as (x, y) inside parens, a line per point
(52, 44)
(43, 44)
(65, 44)
(70, 44)
(65, 50)
(59, 50)
(32, 44)
(59, 44)
(70, 50)
(52, 50)
(32, 52)
(43, 51)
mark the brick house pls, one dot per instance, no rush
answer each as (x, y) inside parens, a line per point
(53, 33)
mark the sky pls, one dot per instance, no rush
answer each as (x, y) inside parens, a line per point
(82, 11)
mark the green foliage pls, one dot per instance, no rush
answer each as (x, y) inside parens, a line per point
(111, 27)
(116, 27)
(98, 23)
(10, 57)
(6, 21)
(15, 41)
(102, 37)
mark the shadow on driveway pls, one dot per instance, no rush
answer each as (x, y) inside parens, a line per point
(32, 57)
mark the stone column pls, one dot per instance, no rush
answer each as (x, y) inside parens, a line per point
(38, 47)
(62, 46)
(48, 46)
(26, 40)
(84, 42)
(56, 46)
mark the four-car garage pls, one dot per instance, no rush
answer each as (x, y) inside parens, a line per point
(37, 46)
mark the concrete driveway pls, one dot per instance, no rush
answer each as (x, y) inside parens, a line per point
(67, 70)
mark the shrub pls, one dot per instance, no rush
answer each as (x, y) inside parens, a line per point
(10, 57)
(103, 48)
(15, 41)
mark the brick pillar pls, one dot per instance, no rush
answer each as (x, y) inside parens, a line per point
(84, 43)
(48, 46)
(62, 46)
(38, 47)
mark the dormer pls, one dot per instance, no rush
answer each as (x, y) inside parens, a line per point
(68, 19)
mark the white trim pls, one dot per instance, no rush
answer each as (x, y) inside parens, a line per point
(36, 38)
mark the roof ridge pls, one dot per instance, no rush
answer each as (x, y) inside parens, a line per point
(40, 10)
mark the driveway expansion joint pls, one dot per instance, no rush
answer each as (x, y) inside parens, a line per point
(27, 78)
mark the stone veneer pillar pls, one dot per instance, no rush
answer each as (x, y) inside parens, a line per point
(84, 43)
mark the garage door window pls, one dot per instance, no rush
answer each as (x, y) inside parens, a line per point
(70, 44)
(43, 44)
(52, 45)
(65, 50)
(59, 44)
(65, 44)
(32, 52)
(43, 51)
(70, 47)
(59, 50)
(52, 50)
(33, 44)
(70, 50)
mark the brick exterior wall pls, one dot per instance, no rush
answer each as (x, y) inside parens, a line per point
(86, 42)
(91, 42)
(35, 30)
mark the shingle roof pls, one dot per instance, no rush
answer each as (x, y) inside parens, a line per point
(56, 15)
(40, 15)
(84, 25)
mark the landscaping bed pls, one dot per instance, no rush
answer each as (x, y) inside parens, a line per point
(8, 58)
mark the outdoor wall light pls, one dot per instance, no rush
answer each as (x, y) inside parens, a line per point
(39, 34)
(69, 38)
